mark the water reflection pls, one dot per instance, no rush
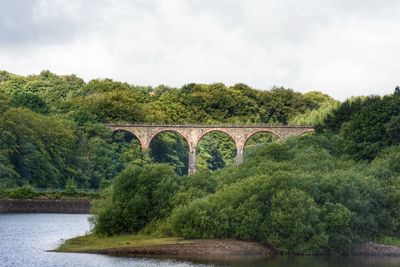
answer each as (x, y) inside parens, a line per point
(322, 261)
(24, 239)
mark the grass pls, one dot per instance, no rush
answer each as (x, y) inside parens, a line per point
(94, 242)
(389, 240)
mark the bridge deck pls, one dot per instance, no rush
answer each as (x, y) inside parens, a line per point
(211, 126)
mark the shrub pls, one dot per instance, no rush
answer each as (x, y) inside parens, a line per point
(23, 192)
(294, 196)
(70, 187)
(138, 196)
(338, 219)
(294, 224)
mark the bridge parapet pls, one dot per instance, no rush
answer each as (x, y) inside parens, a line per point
(193, 134)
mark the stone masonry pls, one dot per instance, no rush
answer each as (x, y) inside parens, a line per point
(193, 133)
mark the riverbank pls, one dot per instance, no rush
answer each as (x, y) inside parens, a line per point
(137, 245)
(71, 206)
(376, 249)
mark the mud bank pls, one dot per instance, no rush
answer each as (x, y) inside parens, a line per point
(207, 249)
(375, 249)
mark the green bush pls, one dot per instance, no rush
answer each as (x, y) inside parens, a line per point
(23, 192)
(338, 220)
(70, 187)
(294, 224)
(295, 196)
(138, 196)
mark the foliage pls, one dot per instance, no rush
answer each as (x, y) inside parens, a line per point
(333, 122)
(28, 192)
(297, 197)
(363, 127)
(139, 196)
(36, 147)
(31, 101)
(308, 195)
(294, 224)
(84, 150)
(389, 240)
(215, 150)
(70, 186)
(168, 147)
(23, 192)
(315, 116)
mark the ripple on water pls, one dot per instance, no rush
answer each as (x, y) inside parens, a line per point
(24, 239)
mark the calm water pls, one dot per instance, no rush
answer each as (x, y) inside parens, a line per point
(24, 239)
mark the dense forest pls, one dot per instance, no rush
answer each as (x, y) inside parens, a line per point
(311, 194)
(52, 127)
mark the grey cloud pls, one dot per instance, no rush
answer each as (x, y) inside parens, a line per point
(229, 12)
(29, 22)
(16, 21)
(311, 44)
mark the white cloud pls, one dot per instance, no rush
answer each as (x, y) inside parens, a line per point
(340, 47)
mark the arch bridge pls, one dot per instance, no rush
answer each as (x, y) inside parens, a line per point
(193, 133)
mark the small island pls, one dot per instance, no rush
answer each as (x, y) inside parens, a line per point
(139, 246)
(199, 249)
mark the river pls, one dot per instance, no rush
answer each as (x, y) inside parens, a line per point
(24, 239)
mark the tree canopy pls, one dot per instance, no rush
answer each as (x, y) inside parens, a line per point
(52, 126)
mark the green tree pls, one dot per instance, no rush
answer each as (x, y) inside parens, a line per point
(168, 147)
(70, 186)
(139, 195)
(39, 147)
(294, 225)
(31, 101)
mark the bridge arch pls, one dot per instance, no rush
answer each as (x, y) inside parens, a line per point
(172, 147)
(251, 135)
(222, 152)
(176, 131)
(125, 132)
(258, 137)
(193, 133)
(204, 133)
(134, 135)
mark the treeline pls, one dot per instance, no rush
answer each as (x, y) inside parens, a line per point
(109, 101)
(52, 126)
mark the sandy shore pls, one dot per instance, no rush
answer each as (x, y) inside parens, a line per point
(194, 249)
(375, 249)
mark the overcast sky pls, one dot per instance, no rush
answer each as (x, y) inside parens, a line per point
(341, 47)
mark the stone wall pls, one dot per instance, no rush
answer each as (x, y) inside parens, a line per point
(72, 206)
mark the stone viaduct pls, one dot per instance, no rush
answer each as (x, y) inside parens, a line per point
(193, 133)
